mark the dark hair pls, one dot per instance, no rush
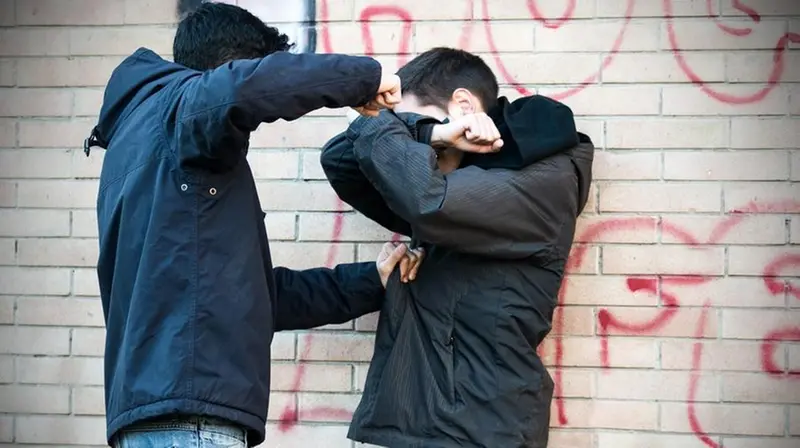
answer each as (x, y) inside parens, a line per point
(434, 75)
(216, 33)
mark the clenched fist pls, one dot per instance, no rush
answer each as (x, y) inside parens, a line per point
(470, 133)
(388, 95)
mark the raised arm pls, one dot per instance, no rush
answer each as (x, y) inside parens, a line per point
(220, 108)
(322, 296)
(496, 212)
(343, 173)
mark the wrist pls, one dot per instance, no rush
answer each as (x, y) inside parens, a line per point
(437, 141)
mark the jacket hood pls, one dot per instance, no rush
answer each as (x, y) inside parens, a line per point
(145, 74)
(533, 128)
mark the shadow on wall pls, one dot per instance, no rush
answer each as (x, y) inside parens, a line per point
(296, 18)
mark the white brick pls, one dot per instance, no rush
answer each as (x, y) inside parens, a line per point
(705, 35)
(6, 312)
(95, 41)
(794, 230)
(88, 401)
(612, 100)
(89, 342)
(274, 164)
(726, 165)
(765, 133)
(18, 399)
(508, 36)
(33, 41)
(8, 194)
(550, 11)
(311, 166)
(765, 197)
(281, 226)
(57, 252)
(598, 36)
(87, 167)
(743, 230)
(689, 100)
(756, 67)
(61, 430)
(667, 133)
(660, 197)
(626, 165)
(88, 103)
(310, 255)
(662, 68)
(765, 8)
(548, 68)
(33, 163)
(64, 72)
(6, 369)
(58, 194)
(33, 341)
(34, 281)
(51, 370)
(84, 224)
(335, 436)
(53, 133)
(302, 196)
(149, 12)
(59, 311)
(85, 283)
(7, 18)
(74, 12)
(8, 75)
(354, 227)
(8, 133)
(680, 8)
(639, 440)
(8, 251)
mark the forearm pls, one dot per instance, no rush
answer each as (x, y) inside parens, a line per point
(219, 109)
(322, 296)
(402, 170)
(341, 168)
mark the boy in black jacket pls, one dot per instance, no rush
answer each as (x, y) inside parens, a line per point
(493, 199)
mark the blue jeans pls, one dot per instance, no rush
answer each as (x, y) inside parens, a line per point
(182, 432)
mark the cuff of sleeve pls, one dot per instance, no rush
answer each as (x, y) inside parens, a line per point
(373, 80)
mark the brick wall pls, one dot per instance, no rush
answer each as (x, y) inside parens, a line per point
(681, 315)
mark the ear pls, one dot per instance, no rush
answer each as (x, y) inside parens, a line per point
(465, 101)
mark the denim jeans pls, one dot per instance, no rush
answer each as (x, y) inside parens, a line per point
(182, 432)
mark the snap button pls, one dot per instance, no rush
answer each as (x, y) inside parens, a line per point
(184, 187)
(212, 191)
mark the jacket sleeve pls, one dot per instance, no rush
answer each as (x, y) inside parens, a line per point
(496, 212)
(343, 173)
(219, 109)
(321, 296)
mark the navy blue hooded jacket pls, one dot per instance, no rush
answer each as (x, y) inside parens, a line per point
(189, 293)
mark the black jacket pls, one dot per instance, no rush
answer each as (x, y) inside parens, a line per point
(189, 293)
(455, 361)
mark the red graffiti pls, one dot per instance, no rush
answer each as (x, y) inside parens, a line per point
(694, 381)
(770, 345)
(775, 74)
(366, 17)
(737, 4)
(607, 321)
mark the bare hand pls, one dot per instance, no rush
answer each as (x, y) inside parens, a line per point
(470, 133)
(388, 95)
(393, 254)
